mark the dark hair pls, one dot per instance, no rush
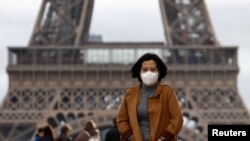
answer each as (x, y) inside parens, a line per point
(48, 131)
(40, 129)
(65, 129)
(114, 121)
(90, 125)
(162, 68)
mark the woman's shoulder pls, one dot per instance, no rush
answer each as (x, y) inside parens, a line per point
(133, 89)
(166, 86)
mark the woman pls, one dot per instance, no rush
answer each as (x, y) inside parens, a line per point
(150, 110)
(64, 134)
(48, 134)
(90, 132)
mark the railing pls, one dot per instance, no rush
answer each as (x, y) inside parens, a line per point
(192, 56)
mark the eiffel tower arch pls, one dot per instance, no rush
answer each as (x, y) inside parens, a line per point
(62, 78)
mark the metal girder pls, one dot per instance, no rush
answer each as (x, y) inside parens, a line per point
(62, 22)
(186, 22)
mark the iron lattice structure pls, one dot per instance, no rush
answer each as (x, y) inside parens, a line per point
(61, 78)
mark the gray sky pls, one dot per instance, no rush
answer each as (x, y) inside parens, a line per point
(132, 20)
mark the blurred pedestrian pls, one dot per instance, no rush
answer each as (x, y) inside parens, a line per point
(64, 134)
(89, 133)
(48, 134)
(113, 133)
(39, 134)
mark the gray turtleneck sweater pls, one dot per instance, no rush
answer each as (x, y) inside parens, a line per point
(142, 110)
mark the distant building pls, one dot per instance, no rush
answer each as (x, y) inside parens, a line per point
(95, 38)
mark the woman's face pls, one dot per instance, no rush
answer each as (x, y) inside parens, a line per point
(149, 73)
(149, 65)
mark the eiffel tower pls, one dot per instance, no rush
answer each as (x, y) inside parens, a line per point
(63, 78)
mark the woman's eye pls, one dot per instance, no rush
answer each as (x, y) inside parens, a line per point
(153, 70)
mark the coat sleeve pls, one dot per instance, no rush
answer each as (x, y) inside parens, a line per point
(123, 119)
(176, 117)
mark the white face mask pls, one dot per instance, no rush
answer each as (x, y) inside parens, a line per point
(149, 78)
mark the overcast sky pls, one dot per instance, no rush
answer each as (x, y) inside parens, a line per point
(132, 20)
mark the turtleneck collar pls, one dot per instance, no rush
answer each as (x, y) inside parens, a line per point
(144, 87)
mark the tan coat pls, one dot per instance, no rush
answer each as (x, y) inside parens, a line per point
(164, 112)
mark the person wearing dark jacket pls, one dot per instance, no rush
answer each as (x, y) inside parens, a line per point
(39, 134)
(64, 135)
(48, 134)
(113, 133)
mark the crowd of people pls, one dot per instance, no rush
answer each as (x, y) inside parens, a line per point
(149, 111)
(90, 132)
(46, 133)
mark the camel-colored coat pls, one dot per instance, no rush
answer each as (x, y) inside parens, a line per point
(164, 112)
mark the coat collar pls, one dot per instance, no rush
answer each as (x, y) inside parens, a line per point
(137, 89)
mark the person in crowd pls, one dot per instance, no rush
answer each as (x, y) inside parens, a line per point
(113, 133)
(39, 134)
(150, 110)
(48, 134)
(89, 133)
(64, 134)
